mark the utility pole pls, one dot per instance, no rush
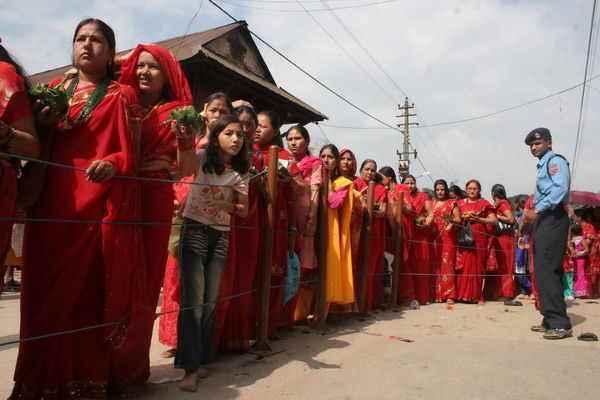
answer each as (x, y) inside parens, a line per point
(405, 156)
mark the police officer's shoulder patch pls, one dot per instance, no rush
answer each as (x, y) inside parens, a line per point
(554, 169)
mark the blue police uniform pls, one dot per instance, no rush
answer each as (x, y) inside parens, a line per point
(550, 237)
(553, 182)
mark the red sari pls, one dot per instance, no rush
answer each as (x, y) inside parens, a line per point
(156, 142)
(14, 106)
(501, 282)
(406, 283)
(590, 233)
(280, 315)
(169, 307)
(375, 291)
(235, 322)
(81, 274)
(445, 250)
(469, 282)
(420, 249)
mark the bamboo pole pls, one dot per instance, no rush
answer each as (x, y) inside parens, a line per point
(321, 306)
(398, 248)
(366, 250)
(262, 342)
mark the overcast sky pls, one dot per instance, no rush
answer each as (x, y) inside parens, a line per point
(455, 59)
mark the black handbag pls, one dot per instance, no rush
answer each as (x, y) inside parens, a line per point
(465, 236)
(503, 228)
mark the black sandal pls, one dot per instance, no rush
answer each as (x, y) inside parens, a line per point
(588, 337)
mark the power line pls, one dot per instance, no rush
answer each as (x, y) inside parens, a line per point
(311, 76)
(581, 104)
(304, 71)
(187, 29)
(284, 10)
(363, 48)
(346, 52)
(483, 116)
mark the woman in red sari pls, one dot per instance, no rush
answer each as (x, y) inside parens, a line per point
(420, 261)
(590, 233)
(267, 134)
(445, 215)
(17, 136)
(501, 284)
(479, 213)
(375, 292)
(217, 105)
(82, 274)
(235, 325)
(162, 88)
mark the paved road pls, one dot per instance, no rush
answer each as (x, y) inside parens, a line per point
(469, 352)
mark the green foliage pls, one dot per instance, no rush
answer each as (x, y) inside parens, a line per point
(55, 98)
(187, 116)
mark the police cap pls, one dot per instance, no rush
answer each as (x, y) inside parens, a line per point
(538, 134)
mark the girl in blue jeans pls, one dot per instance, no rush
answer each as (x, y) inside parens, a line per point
(220, 189)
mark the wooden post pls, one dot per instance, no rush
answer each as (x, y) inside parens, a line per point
(321, 306)
(398, 248)
(366, 250)
(262, 342)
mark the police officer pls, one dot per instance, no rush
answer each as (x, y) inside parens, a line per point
(551, 227)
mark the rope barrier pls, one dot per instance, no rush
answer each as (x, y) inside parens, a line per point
(124, 177)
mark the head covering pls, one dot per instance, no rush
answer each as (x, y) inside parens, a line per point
(353, 158)
(538, 134)
(178, 84)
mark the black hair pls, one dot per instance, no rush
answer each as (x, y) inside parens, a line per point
(457, 191)
(336, 154)
(405, 177)
(576, 229)
(214, 161)
(220, 96)
(7, 58)
(444, 184)
(365, 162)
(388, 172)
(243, 109)
(303, 131)
(475, 181)
(276, 124)
(499, 191)
(108, 34)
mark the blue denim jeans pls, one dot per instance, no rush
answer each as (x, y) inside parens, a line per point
(203, 253)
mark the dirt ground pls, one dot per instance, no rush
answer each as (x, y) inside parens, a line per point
(468, 352)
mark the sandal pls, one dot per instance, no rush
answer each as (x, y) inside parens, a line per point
(588, 337)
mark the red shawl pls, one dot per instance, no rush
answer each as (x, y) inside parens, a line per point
(379, 191)
(81, 274)
(344, 151)
(14, 105)
(157, 142)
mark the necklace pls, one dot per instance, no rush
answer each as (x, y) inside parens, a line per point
(92, 102)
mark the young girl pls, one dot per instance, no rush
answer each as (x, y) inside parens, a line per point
(220, 190)
(579, 252)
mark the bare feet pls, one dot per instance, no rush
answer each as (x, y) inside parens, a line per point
(168, 353)
(189, 383)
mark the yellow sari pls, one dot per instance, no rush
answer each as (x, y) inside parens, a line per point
(340, 282)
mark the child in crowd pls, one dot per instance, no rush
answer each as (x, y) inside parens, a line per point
(579, 249)
(521, 264)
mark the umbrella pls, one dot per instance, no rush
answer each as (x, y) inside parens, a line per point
(584, 199)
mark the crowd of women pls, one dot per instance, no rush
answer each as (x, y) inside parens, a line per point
(106, 230)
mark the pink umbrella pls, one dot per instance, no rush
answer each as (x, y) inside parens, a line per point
(585, 199)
